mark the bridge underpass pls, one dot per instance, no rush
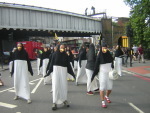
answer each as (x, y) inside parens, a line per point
(25, 34)
(19, 22)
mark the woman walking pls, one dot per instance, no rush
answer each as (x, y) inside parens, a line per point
(44, 63)
(104, 63)
(91, 58)
(60, 67)
(20, 70)
(81, 73)
(118, 60)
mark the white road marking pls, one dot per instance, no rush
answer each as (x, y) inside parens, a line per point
(36, 80)
(127, 72)
(6, 89)
(136, 108)
(33, 91)
(11, 90)
(7, 105)
(29, 83)
(18, 112)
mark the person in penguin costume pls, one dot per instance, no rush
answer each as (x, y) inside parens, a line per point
(70, 55)
(20, 70)
(60, 67)
(91, 58)
(103, 65)
(44, 63)
(118, 58)
(81, 73)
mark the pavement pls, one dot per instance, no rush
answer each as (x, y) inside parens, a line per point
(142, 69)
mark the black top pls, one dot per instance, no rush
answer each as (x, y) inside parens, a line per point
(60, 59)
(82, 55)
(50, 58)
(102, 58)
(91, 57)
(118, 52)
(45, 55)
(11, 56)
(22, 55)
(71, 57)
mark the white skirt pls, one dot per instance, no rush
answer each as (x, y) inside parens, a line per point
(48, 78)
(21, 79)
(59, 84)
(91, 86)
(118, 65)
(39, 70)
(75, 67)
(81, 73)
(10, 66)
(104, 81)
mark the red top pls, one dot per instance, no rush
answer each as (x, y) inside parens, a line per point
(140, 50)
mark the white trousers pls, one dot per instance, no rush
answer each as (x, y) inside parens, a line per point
(48, 78)
(10, 66)
(81, 73)
(91, 86)
(39, 70)
(118, 65)
(141, 56)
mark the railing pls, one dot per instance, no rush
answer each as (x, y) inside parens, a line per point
(147, 54)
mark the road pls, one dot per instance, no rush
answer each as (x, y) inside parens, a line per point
(130, 95)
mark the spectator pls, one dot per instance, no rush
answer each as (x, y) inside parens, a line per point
(141, 54)
(135, 50)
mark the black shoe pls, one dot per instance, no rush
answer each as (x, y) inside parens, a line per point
(66, 103)
(96, 90)
(54, 107)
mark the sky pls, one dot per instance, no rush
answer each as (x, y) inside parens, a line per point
(113, 8)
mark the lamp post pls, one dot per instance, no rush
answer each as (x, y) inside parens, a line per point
(130, 35)
(130, 52)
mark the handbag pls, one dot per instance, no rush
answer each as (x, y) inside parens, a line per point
(113, 75)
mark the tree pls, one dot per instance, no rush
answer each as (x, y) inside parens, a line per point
(140, 21)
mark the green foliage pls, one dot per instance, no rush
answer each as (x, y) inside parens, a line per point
(140, 21)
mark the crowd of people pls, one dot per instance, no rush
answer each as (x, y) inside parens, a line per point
(59, 64)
